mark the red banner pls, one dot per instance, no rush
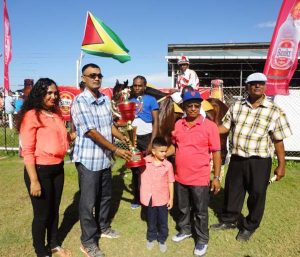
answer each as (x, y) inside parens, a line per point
(282, 57)
(67, 95)
(7, 46)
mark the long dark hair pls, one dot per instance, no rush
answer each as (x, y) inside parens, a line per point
(35, 100)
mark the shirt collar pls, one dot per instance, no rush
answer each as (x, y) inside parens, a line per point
(198, 122)
(92, 99)
(150, 159)
(186, 71)
(265, 102)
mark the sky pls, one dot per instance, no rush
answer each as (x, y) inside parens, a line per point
(47, 35)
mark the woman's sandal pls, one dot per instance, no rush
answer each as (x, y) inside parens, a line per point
(62, 252)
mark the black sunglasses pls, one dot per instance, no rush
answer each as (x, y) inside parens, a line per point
(94, 75)
(254, 83)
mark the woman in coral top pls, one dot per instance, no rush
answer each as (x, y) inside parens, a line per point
(45, 142)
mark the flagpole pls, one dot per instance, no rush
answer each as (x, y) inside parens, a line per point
(77, 75)
(78, 67)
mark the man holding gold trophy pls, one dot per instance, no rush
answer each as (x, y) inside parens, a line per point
(93, 148)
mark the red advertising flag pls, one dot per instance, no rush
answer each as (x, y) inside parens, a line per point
(67, 95)
(282, 57)
(7, 46)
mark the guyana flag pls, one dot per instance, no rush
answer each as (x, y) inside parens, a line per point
(100, 40)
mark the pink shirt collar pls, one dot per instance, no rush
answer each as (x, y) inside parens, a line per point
(199, 121)
(150, 159)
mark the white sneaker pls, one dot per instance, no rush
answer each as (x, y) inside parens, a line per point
(180, 236)
(163, 247)
(150, 245)
(200, 249)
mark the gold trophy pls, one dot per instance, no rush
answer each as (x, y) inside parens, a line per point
(127, 113)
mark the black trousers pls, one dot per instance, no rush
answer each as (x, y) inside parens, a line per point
(246, 175)
(157, 223)
(94, 203)
(142, 144)
(46, 207)
(198, 198)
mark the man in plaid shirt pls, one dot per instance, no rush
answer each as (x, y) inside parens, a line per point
(257, 124)
(92, 118)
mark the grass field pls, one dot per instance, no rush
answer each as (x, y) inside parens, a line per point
(279, 234)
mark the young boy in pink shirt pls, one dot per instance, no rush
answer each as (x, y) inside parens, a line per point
(157, 192)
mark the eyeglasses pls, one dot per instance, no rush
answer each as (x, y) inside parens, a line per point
(195, 106)
(94, 76)
(260, 83)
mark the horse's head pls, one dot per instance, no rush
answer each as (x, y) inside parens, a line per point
(117, 90)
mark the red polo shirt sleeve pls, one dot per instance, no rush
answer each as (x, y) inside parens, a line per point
(213, 138)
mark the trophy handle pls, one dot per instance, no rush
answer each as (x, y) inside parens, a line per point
(114, 109)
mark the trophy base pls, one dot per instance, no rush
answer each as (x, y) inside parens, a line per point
(136, 161)
(135, 164)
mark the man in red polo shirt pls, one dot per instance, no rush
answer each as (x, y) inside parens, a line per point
(196, 139)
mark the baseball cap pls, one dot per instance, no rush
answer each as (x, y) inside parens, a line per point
(257, 76)
(183, 59)
(193, 95)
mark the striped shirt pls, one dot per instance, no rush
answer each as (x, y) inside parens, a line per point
(253, 129)
(89, 113)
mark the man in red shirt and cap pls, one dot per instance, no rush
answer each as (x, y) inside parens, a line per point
(196, 139)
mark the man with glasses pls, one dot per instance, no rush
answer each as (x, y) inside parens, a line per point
(195, 139)
(92, 118)
(256, 124)
(186, 76)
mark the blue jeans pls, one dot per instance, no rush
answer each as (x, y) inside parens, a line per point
(94, 203)
(157, 223)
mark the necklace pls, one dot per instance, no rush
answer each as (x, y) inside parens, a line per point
(48, 113)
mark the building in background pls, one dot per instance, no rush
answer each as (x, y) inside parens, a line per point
(231, 62)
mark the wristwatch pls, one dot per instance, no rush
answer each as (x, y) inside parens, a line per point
(217, 177)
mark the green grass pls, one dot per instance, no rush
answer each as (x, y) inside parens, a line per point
(279, 234)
